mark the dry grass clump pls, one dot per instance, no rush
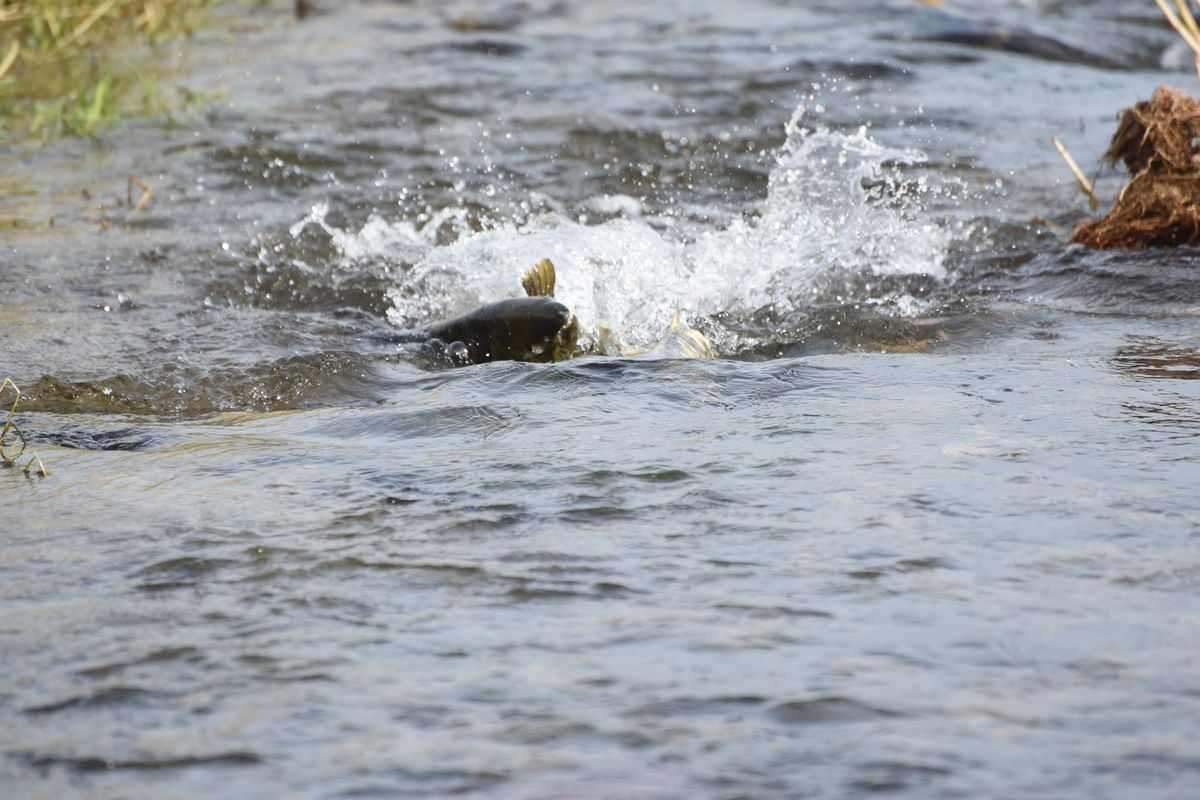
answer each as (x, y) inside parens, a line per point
(1160, 206)
(1157, 141)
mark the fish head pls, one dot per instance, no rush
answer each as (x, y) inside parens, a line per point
(566, 341)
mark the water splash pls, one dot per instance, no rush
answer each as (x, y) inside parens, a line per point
(836, 203)
(622, 274)
(841, 209)
(377, 238)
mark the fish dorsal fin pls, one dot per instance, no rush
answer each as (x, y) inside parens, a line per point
(539, 279)
(676, 320)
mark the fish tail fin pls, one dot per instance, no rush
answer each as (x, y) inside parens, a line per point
(539, 279)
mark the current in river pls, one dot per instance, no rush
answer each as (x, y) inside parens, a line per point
(925, 527)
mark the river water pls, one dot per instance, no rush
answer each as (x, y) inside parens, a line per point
(926, 528)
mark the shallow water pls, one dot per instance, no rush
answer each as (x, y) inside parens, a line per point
(926, 528)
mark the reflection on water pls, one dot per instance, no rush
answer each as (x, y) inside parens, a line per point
(1173, 417)
(926, 527)
(1152, 357)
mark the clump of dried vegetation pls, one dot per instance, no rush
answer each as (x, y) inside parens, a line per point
(1157, 140)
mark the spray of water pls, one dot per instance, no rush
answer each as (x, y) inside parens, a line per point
(839, 206)
(836, 203)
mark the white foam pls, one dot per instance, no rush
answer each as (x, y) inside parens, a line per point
(831, 205)
(622, 274)
(614, 205)
(399, 240)
(837, 203)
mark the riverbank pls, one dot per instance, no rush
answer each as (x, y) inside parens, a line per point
(74, 67)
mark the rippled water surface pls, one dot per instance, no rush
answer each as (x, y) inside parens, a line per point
(927, 527)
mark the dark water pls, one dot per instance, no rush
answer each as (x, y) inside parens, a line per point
(927, 528)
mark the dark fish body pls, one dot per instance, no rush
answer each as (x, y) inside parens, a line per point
(539, 328)
(518, 329)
